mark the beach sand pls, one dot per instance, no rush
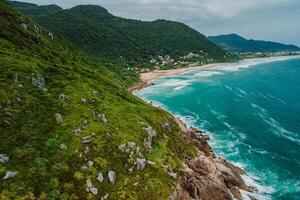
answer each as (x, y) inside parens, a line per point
(147, 77)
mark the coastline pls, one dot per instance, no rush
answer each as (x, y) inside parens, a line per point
(205, 174)
(147, 77)
(243, 186)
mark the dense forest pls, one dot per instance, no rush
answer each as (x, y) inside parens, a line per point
(94, 30)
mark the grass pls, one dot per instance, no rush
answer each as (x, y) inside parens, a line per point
(32, 138)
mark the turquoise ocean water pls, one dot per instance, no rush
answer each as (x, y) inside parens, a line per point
(251, 109)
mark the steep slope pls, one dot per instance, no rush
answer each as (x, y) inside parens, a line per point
(35, 10)
(68, 129)
(236, 43)
(94, 30)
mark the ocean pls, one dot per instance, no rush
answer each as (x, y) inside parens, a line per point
(251, 110)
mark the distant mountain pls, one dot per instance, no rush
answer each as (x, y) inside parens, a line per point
(236, 43)
(35, 10)
(99, 33)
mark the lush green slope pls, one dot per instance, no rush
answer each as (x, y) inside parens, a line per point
(35, 10)
(94, 30)
(38, 123)
(236, 43)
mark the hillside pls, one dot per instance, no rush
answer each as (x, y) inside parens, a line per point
(69, 129)
(35, 10)
(236, 43)
(94, 30)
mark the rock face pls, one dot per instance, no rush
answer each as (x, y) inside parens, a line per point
(206, 176)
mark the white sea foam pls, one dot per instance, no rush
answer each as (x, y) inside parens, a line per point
(218, 115)
(277, 99)
(207, 73)
(275, 126)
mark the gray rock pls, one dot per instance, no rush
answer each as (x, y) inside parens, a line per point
(131, 144)
(102, 118)
(150, 131)
(39, 81)
(83, 101)
(95, 93)
(136, 184)
(16, 79)
(86, 139)
(104, 197)
(112, 177)
(100, 177)
(87, 150)
(63, 147)
(131, 154)
(9, 174)
(90, 163)
(167, 127)
(77, 131)
(24, 26)
(85, 124)
(140, 163)
(8, 114)
(4, 158)
(90, 188)
(58, 118)
(148, 140)
(151, 162)
(173, 175)
(63, 97)
(122, 147)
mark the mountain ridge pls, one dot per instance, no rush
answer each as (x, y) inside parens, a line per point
(94, 30)
(236, 43)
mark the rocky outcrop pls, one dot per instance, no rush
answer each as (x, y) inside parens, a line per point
(206, 176)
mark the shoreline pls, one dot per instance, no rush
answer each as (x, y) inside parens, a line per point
(147, 77)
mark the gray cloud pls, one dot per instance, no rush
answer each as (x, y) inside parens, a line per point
(275, 20)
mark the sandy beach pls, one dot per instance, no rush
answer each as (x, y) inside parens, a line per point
(147, 77)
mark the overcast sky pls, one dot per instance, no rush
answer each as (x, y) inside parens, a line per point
(275, 20)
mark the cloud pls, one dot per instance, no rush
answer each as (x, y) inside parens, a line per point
(209, 16)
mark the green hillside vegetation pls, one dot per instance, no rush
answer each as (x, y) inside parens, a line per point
(65, 118)
(94, 30)
(236, 43)
(35, 10)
